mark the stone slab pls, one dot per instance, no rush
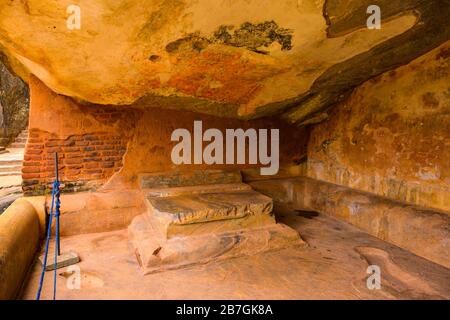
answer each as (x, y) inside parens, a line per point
(188, 178)
(64, 260)
(212, 188)
(198, 208)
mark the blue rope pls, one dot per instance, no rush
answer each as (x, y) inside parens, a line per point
(44, 265)
(57, 213)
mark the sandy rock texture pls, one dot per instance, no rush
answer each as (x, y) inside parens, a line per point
(14, 100)
(391, 137)
(243, 58)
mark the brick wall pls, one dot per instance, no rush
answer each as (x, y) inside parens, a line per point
(90, 140)
(85, 161)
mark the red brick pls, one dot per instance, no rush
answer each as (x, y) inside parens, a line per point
(74, 155)
(113, 159)
(31, 163)
(72, 172)
(91, 165)
(90, 137)
(48, 174)
(34, 151)
(26, 176)
(74, 166)
(71, 149)
(110, 153)
(53, 149)
(51, 156)
(51, 163)
(96, 143)
(92, 160)
(92, 154)
(31, 169)
(92, 171)
(52, 168)
(73, 161)
(104, 148)
(35, 145)
(53, 143)
(32, 157)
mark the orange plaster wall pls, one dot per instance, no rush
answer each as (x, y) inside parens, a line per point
(150, 148)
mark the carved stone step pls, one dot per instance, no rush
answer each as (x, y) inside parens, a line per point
(188, 178)
(171, 215)
(6, 162)
(10, 173)
(213, 188)
(155, 255)
(10, 168)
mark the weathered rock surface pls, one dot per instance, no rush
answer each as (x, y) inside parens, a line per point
(391, 136)
(240, 59)
(424, 232)
(14, 105)
(172, 179)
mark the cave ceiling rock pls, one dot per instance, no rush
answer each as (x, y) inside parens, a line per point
(242, 58)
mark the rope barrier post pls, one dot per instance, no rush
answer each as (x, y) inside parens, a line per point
(47, 242)
(54, 205)
(58, 203)
(57, 240)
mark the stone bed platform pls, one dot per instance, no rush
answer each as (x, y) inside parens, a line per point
(203, 216)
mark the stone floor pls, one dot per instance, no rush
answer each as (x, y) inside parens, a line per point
(334, 266)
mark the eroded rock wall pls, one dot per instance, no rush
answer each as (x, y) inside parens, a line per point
(242, 58)
(14, 101)
(391, 137)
